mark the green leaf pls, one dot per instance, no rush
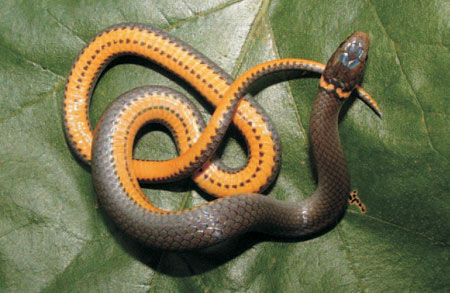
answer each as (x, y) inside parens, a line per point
(53, 236)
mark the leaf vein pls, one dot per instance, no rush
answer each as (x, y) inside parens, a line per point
(251, 33)
(427, 130)
(290, 94)
(179, 23)
(165, 17)
(348, 256)
(33, 102)
(189, 9)
(65, 27)
(409, 230)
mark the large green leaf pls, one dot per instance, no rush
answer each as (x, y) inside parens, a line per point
(54, 238)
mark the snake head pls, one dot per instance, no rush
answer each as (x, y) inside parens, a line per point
(345, 68)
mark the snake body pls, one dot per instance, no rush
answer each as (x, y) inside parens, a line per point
(115, 174)
(206, 77)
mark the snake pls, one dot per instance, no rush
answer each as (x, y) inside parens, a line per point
(215, 178)
(116, 175)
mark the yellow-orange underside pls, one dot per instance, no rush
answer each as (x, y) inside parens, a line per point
(200, 76)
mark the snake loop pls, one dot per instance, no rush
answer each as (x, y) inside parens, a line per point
(115, 173)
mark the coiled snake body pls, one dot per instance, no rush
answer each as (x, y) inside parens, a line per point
(115, 173)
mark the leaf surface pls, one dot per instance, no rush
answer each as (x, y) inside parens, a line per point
(53, 236)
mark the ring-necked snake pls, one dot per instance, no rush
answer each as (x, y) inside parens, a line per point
(115, 173)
